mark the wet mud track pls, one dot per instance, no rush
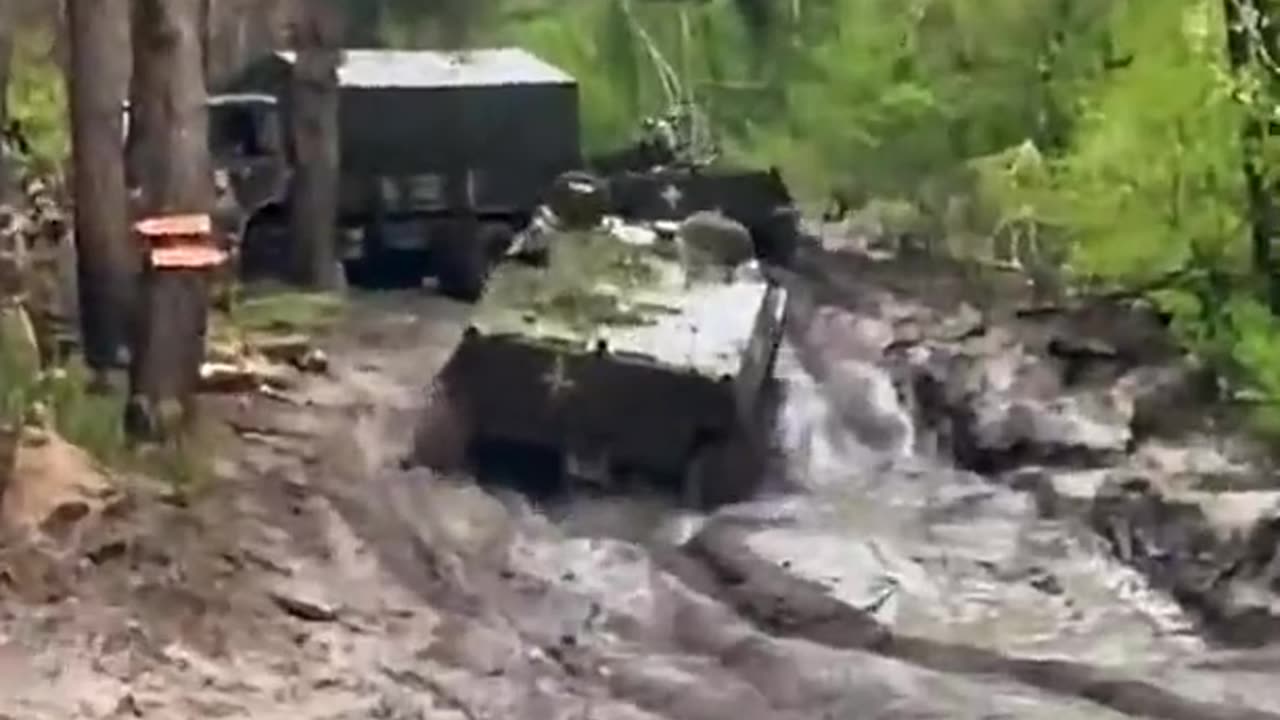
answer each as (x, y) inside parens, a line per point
(874, 577)
(870, 580)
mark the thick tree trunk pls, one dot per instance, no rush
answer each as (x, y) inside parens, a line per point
(106, 257)
(173, 170)
(313, 112)
(169, 93)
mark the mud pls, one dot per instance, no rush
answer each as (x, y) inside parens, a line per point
(943, 537)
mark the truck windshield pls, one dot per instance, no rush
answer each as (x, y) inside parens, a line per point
(237, 131)
(245, 130)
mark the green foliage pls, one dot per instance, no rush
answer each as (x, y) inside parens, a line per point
(1102, 136)
(38, 99)
(573, 42)
(91, 421)
(19, 367)
(1155, 170)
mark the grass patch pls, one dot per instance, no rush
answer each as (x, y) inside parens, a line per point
(287, 311)
(92, 421)
(19, 364)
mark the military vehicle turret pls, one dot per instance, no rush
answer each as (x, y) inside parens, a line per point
(628, 350)
(671, 173)
(758, 199)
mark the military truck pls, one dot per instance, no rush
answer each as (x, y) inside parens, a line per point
(632, 350)
(444, 156)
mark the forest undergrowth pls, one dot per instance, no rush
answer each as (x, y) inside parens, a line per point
(1126, 145)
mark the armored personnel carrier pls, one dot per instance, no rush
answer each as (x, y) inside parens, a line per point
(627, 351)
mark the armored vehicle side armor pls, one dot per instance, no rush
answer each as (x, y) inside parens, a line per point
(626, 351)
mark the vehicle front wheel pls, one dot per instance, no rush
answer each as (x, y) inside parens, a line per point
(496, 239)
(463, 263)
(443, 437)
(722, 470)
(264, 249)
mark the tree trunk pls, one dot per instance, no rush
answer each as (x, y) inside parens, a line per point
(142, 115)
(313, 114)
(7, 17)
(106, 257)
(1264, 216)
(168, 91)
(206, 40)
(172, 167)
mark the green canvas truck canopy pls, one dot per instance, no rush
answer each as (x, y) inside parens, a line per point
(502, 115)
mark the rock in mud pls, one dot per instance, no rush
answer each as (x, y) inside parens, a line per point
(313, 361)
(305, 601)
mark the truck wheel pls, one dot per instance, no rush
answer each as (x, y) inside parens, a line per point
(496, 239)
(393, 270)
(263, 253)
(464, 264)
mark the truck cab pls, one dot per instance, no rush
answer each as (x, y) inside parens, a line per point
(246, 141)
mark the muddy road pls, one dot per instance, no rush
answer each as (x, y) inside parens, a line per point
(967, 517)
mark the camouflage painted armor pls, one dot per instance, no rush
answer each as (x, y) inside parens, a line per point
(621, 354)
